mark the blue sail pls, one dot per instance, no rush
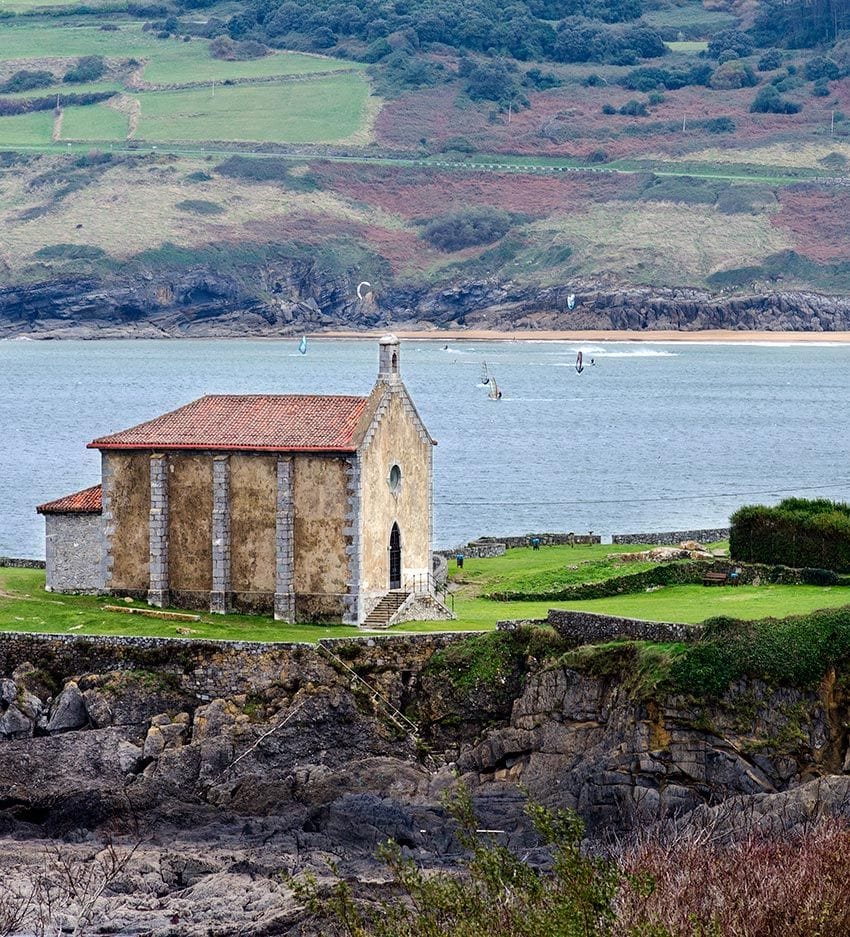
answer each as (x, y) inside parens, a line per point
(303, 345)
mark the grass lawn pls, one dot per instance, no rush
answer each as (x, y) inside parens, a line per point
(687, 47)
(167, 60)
(319, 111)
(27, 129)
(95, 122)
(24, 606)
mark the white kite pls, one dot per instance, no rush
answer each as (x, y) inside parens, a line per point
(360, 286)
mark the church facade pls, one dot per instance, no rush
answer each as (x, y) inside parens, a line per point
(309, 507)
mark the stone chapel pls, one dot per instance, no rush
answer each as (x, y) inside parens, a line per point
(309, 507)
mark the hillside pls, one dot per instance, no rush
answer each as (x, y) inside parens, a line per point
(266, 157)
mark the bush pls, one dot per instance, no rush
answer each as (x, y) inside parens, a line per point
(769, 101)
(730, 40)
(634, 108)
(821, 68)
(541, 81)
(717, 124)
(796, 532)
(770, 60)
(609, 109)
(733, 75)
(820, 89)
(671, 79)
(25, 80)
(818, 577)
(458, 145)
(266, 169)
(727, 55)
(467, 228)
(88, 68)
(223, 47)
(200, 206)
(199, 176)
(656, 97)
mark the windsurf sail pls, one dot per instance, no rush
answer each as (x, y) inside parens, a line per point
(495, 393)
(485, 377)
(579, 363)
(571, 301)
(302, 346)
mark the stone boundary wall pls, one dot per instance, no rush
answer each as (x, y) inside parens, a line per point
(674, 537)
(592, 628)
(15, 562)
(210, 669)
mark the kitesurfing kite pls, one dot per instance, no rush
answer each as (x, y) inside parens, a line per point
(360, 289)
(579, 363)
(571, 301)
(302, 345)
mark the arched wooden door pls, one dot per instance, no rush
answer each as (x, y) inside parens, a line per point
(395, 558)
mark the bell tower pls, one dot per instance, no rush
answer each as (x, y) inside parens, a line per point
(388, 360)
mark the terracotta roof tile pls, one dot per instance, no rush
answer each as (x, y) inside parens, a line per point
(277, 423)
(87, 501)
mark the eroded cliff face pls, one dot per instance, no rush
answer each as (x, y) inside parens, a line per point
(296, 296)
(236, 763)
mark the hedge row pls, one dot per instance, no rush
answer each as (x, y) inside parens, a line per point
(674, 574)
(795, 651)
(11, 107)
(796, 532)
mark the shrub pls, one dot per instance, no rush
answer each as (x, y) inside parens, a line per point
(200, 206)
(265, 170)
(467, 228)
(769, 101)
(199, 176)
(656, 97)
(732, 75)
(593, 80)
(770, 60)
(609, 109)
(717, 125)
(727, 55)
(730, 40)
(796, 532)
(820, 89)
(634, 108)
(458, 145)
(223, 47)
(649, 78)
(88, 68)
(818, 577)
(25, 80)
(541, 81)
(821, 68)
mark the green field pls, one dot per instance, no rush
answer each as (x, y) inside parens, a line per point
(24, 606)
(97, 123)
(168, 61)
(689, 48)
(319, 111)
(27, 129)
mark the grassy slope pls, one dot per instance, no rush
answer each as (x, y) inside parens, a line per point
(24, 606)
(576, 227)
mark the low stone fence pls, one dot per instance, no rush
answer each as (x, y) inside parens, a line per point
(209, 669)
(15, 562)
(547, 539)
(674, 537)
(591, 628)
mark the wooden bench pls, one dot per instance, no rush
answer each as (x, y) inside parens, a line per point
(715, 579)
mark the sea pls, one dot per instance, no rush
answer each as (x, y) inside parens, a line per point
(649, 436)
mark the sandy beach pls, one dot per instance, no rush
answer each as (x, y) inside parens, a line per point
(603, 335)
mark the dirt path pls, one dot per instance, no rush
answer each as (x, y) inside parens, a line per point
(129, 106)
(59, 116)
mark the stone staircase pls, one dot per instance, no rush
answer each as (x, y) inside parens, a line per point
(381, 614)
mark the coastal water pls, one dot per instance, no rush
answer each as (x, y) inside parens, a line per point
(650, 437)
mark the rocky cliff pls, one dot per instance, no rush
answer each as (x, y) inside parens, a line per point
(228, 765)
(296, 296)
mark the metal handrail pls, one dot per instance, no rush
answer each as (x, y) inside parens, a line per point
(426, 583)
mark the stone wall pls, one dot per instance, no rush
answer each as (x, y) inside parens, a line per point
(591, 628)
(73, 550)
(546, 539)
(674, 537)
(16, 562)
(213, 669)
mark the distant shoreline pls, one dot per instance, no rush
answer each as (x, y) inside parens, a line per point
(707, 336)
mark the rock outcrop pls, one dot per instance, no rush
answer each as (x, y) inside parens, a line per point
(294, 296)
(305, 764)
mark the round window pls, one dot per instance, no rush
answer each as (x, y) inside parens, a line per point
(395, 479)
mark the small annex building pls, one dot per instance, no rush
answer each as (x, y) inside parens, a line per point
(309, 507)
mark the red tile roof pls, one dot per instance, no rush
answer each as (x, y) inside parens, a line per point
(87, 501)
(267, 422)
